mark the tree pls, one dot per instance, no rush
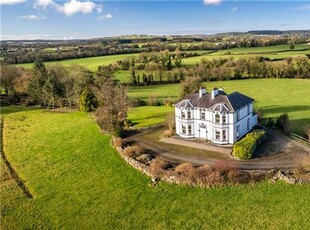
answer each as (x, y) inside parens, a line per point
(292, 46)
(37, 81)
(189, 85)
(9, 75)
(113, 104)
(88, 101)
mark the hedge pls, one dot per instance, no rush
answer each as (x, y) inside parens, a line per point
(245, 148)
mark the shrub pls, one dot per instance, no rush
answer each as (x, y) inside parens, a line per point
(153, 101)
(244, 149)
(303, 164)
(168, 133)
(133, 151)
(307, 131)
(117, 142)
(187, 170)
(158, 166)
(283, 122)
(88, 101)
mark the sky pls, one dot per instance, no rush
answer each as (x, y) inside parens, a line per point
(80, 19)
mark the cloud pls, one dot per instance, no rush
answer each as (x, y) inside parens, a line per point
(43, 3)
(11, 2)
(70, 7)
(212, 2)
(74, 6)
(105, 17)
(234, 9)
(32, 17)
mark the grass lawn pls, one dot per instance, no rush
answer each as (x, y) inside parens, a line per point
(144, 116)
(79, 181)
(273, 97)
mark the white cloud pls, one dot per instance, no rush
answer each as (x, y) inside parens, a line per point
(70, 7)
(212, 2)
(74, 6)
(32, 17)
(10, 2)
(43, 3)
(234, 9)
(105, 17)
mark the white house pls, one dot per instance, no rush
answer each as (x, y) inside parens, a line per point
(215, 116)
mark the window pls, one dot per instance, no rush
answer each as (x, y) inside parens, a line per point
(202, 114)
(188, 114)
(248, 109)
(224, 135)
(183, 129)
(238, 115)
(237, 131)
(189, 130)
(182, 114)
(248, 124)
(224, 119)
(217, 118)
(217, 135)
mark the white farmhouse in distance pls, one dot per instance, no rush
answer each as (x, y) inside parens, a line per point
(215, 116)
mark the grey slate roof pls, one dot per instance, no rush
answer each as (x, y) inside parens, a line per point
(232, 102)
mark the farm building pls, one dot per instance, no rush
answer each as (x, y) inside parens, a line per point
(215, 116)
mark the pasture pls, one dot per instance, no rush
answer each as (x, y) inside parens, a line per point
(90, 63)
(273, 97)
(79, 181)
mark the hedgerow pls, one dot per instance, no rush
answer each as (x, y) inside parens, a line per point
(245, 148)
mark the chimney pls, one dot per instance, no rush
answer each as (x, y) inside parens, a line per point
(214, 93)
(202, 91)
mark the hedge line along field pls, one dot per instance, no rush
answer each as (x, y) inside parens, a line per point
(273, 97)
(90, 63)
(78, 179)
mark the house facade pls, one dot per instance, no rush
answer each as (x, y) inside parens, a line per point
(215, 116)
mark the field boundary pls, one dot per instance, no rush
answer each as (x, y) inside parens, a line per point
(12, 171)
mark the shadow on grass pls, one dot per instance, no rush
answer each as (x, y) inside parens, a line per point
(5, 110)
(284, 109)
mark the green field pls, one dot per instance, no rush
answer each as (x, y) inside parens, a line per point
(91, 63)
(272, 52)
(79, 181)
(273, 97)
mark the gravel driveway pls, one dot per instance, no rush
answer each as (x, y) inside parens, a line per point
(278, 152)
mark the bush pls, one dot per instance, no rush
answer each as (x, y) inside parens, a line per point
(158, 166)
(187, 170)
(283, 122)
(88, 101)
(133, 151)
(244, 149)
(168, 133)
(307, 131)
(117, 142)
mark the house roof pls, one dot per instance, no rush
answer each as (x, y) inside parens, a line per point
(222, 102)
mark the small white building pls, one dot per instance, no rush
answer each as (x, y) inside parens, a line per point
(215, 116)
